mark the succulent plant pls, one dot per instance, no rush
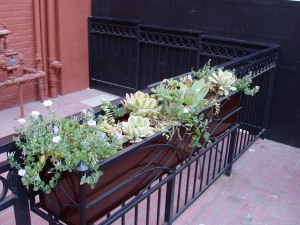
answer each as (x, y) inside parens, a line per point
(222, 82)
(136, 128)
(194, 93)
(141, 104)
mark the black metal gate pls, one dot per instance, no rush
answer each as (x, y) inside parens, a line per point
(126, 56)
(270, 21)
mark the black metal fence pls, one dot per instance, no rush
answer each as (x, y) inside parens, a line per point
(12, 191)
(129, 56)
(126, 56)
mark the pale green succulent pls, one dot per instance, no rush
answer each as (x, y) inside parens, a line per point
(137, 128)
(195, 92)
(141, 104)
(222, 82)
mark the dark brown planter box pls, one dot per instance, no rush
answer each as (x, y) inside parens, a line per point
(132, 170)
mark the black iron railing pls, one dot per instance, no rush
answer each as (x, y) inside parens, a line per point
(12, 191)
(130, 55)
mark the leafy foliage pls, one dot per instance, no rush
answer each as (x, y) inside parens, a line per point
(244, 85)
(64, 143)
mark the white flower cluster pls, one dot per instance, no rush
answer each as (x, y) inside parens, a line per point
(56, 139)
(47, 103)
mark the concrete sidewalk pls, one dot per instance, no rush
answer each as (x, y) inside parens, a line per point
(64, 105)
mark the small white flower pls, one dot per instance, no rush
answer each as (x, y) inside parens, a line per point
(21, 121)
(55, 129)
(35, 114)
(186, 110)
(22, 172)
(91, 123)
(47, 103)
(56, 139)
(84, 111)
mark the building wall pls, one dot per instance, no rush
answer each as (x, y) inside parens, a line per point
(72, 45)
(17, 15)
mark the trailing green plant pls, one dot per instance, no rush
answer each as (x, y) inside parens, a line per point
(205, 72)
(244, 83)
(197, 124)
(107, 120)
(114, 110)
(65, 142)
(170, 98)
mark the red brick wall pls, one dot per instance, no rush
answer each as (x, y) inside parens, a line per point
(17, 15)
(72, 38)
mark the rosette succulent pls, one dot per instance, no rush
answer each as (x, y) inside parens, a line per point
(136, 128)
(141, 104)
(195, 92)
(222, 82)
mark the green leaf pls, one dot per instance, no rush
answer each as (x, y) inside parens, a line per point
(201, 116)
(200, 84)
(202, 93)
(198, 145)
(190, 96)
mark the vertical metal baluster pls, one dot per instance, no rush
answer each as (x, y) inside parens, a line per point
(138, 59)
(221, 156)
(187, 185)
(148, 210)
(195, 177)
(159, 203)
(248, 112)
(169, 201)
(123, 216)
(179, 192)
(208, 169)
(215, 161)
(226, 151)
(265, 100)
(202, 170)
(136, 214)
(230, 154)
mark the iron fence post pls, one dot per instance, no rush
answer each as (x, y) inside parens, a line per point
(169, 201)
(198, 60)
(232, 146)
(21, 206)
(138, 58)
(267, 109)
(82, 168)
